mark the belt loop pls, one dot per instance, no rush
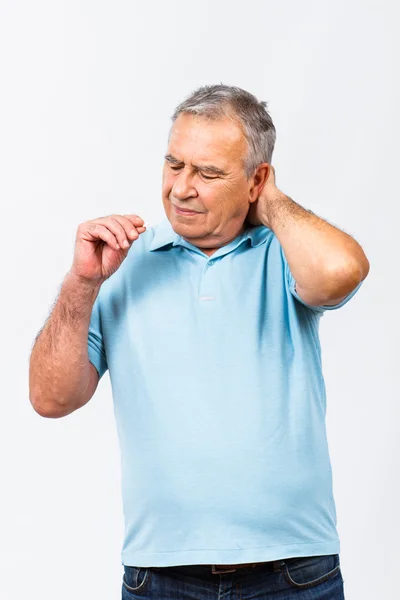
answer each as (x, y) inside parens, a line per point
(215, 571)
(277, 564)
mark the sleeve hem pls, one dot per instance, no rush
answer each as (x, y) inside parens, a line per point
(97, 361)
(323, 307)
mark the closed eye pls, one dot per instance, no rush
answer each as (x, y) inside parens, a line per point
(205, 176)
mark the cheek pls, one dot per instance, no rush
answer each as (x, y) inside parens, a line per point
(226, 198)
(167, 183)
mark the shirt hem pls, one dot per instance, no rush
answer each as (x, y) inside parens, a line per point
(218, 557)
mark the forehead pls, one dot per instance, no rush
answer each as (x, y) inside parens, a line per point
(201, 139)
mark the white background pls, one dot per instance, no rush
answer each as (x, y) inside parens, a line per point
(87, 91)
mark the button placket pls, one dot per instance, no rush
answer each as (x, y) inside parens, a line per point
(206, 292)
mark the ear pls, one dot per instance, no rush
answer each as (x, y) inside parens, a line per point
(258, 181)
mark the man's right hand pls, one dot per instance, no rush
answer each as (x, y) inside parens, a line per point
(96, 254)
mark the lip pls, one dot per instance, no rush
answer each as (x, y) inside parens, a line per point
(185, 212)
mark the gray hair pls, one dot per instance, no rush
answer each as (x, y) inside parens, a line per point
(218, 101)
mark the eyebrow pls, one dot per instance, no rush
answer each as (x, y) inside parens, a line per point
(207, 168)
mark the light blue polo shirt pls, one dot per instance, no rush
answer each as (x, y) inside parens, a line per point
(219, 401)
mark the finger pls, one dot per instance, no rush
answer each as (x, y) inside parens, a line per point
(133, 226)
(113, 223)
(135, 221)
(123, 229)
(103, 233)
(131, 233)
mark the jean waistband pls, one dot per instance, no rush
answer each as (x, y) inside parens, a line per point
(273, 565)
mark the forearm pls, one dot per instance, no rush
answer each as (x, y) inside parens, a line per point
(59, 366)
(323, 260)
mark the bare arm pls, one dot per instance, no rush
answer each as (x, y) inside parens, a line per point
(326, 263)
(61, 377)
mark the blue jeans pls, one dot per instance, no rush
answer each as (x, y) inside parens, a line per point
(304, 578)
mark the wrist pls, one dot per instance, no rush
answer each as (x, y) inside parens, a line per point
(74, 280)
(274, 207)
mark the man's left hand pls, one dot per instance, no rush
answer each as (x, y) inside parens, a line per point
(258, 211)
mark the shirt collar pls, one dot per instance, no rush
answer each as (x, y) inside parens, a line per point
(164, 235)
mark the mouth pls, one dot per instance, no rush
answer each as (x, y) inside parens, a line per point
(187, 213)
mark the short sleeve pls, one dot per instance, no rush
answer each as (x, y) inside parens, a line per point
(96, 351)
(319, 309)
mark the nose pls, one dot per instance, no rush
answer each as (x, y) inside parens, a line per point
(183, 187)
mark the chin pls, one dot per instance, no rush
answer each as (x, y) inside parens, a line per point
(194, 229)
(182, 221)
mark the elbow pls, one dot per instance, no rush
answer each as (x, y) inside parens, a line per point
(50, 411)
(334, 282)
(343, 280)
(350, 270)
(365, 266)
(357, 267)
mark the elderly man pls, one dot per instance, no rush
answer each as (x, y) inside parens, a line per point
(208, 325)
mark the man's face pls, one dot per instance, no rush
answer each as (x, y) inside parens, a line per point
(203, 172)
